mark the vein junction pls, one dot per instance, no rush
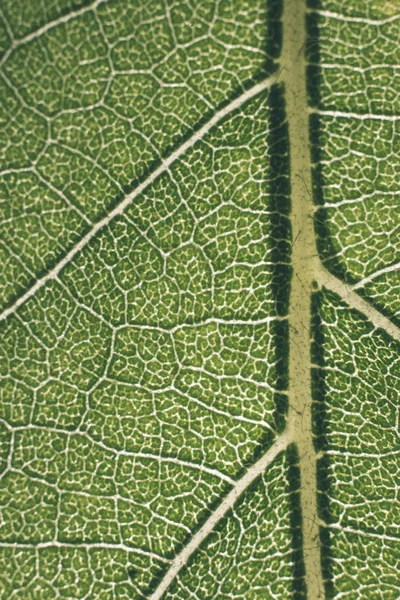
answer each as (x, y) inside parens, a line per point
(120, 208)
(306, 268)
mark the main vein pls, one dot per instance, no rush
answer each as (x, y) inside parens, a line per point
(120, 208)
(306, 268)
(303, 260)
(304, 264)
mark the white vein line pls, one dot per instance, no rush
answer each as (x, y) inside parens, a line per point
(348, 19)
(70, 204)
(85, 545)
(182, 463)
(227, 415)
(118, 210)
(347, 293)
(7, 25)
(205, 322)
(237, 377)
(240, 486)
(343, 454)
(376, 274)
(51, 24)
(354, 68)
(353, 115)
(363, 198)
(118, 453)
(371, 534)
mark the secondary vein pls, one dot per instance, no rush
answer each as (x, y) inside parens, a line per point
(120, 208)
(240, 486)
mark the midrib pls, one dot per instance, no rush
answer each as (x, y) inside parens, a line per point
(304, 256)
(306, 268)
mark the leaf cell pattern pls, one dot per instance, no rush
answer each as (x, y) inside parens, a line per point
(249, 554)
(150, 438)
(355, 128)
(356, 378)
(355, 132)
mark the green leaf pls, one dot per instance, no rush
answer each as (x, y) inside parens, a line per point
(199, 289)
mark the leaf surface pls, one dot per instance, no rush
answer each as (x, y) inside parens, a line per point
(199, 285)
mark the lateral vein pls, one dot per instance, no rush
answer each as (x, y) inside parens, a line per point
(162, 168)
(347, 293)
(369, 278)
(16, 42)
(240, 486)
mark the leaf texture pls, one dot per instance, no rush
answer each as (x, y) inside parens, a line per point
(200, 296)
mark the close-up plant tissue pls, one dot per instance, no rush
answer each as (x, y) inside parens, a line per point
(200, 299)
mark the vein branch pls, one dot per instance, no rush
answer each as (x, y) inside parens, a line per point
(353, 19)
(240, 486)
(347, 293)
(376, 274)
(83, 545)
(120, 208)
(353, 115)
